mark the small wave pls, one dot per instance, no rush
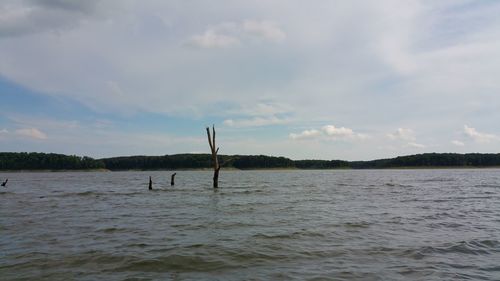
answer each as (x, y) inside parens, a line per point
(357, 224)
(292, 235)
(472, 197)
(273, 236)
(491, 268)
(248, 204)
(86, 193)
(473, 247)
(439, 180)
(440, 215)
(99, 193)
(254, 191)
(348, 184)
(445, 225)
(449, 199)
(138, 245)
(429, 200)
(487, 185)
(128, 193)
(83, 194)
(175, 262)
(113, 230)
(391, 184)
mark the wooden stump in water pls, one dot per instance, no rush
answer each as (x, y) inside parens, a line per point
(172, 179)
(215, 161)
(150, 183)
(216, 177)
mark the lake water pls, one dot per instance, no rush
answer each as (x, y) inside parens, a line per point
(260, 225)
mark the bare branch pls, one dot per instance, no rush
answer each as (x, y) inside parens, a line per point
(213, 135)
(210, 140)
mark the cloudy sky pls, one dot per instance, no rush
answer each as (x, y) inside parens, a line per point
(354, 80)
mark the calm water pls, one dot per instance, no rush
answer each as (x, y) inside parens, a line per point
(261, 225)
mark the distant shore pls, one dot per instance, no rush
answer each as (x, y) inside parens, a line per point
(53, 170)
(49, 162)
(255, 169)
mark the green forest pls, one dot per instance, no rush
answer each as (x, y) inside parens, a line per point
(47, 161)
(52, 161)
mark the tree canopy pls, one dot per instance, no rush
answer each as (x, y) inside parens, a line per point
(47, 161)
(52, 161)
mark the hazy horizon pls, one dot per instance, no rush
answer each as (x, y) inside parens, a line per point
(349, 80)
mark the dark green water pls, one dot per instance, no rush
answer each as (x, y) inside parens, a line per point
(260, 225)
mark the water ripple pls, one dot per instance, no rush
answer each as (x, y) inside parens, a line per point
(260, 225)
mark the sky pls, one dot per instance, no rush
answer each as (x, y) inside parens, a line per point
(325, 79)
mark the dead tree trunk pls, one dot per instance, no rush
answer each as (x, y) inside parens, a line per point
(172, 179)
(215, 161)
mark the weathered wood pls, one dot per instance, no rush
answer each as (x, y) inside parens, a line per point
(172, 179)
(215, 160)
(216, 178)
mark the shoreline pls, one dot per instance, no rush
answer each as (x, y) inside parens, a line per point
(55, 171)
(253, 169)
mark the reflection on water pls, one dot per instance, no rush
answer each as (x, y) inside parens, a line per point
(261, 225)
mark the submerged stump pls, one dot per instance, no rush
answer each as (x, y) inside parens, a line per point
(172, 179)
(215, 161)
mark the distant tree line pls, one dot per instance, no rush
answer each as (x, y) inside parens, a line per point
(52, 161)
(321, 164)
(260, 162)
(47, 161)
(167, 162)
(432, 160)
(195, 161)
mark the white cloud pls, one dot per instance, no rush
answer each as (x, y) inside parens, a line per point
(428, 60)
(230, 34)
(27, 121)
(457, 143)
(18, 18)
(330, 132)
(265, 29)
(115, 89)
(212, 39)
(307, 134)
(92, 139)
(260, 114)
(103, 123)
(256, 121)
(402, 134)
(416, 145)
(85, 7)
(479, 137)
(406, 138)
(31, 133)
(341, 132)
(262, 109)
(3, 133)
